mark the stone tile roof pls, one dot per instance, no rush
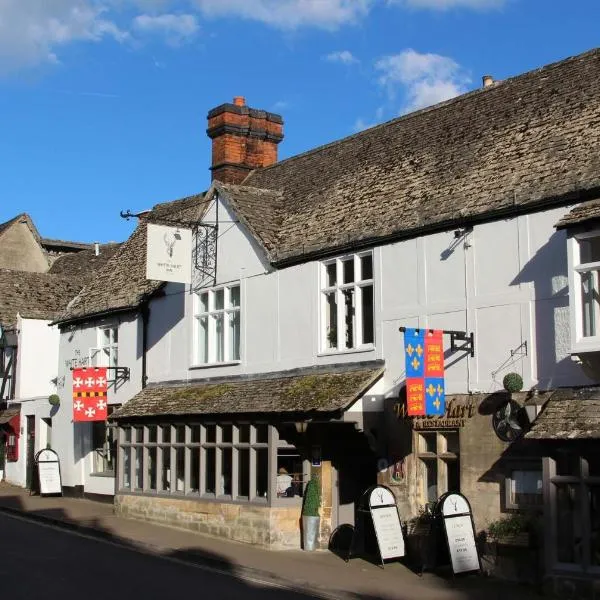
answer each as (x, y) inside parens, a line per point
(22, 217)
(584, 213)
(84, 263)
(300, 391)
(34, 295)
(570, 413)
(51, 244)
(121, 283)
(525, 142)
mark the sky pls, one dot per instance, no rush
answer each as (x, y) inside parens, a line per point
(103, 103)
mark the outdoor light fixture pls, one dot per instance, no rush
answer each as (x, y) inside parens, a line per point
(533, 407)
(301, 426)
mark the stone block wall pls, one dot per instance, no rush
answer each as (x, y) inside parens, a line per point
(276, 528)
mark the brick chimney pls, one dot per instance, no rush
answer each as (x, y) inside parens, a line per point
(243, 139)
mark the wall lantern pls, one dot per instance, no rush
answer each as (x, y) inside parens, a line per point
(533, 406)
(301, 426)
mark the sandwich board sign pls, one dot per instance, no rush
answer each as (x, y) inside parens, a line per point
(386, 522)
(460, 532)
(48, 468)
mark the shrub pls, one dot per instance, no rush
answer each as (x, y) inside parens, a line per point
(510, 525)
(312, 499)
(54, 400)
(512, 382)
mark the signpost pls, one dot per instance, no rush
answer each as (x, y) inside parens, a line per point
(48, 468)
(386, 523)
(460, 532)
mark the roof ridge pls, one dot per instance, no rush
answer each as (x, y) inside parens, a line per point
(427, 109)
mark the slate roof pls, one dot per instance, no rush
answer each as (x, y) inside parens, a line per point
(307, 391)
(83, 263)
(34, 295)
(570, 413)
(523, 143)
(121, 283)
(584, 213)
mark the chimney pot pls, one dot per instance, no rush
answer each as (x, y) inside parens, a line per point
(96, 248)
(488, 81)
(239, 101)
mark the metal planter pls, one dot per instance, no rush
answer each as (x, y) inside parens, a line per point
(310, 532)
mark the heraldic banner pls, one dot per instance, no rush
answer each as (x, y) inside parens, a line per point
(89, 394)
(424, 359)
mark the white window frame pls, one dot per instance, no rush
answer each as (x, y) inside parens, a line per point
(227, 312)
(338, 289)
(509, 484)
(96, 355)
(579, 342)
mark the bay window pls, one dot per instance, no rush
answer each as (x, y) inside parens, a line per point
(347, 303)
(217, 325)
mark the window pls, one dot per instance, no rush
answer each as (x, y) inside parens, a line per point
(217, 325)
(524, 488)
(228, 460)
(438, 457)
(347, 300)
(575, 509)
(104, 445)
(107, 352)
(584, 283)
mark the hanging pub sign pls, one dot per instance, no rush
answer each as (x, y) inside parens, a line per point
(169, 253)
(424, 361)
(48, 468)
(460, 532)
(89, 394)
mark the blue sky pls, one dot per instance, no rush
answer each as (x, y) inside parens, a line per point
(103, 103)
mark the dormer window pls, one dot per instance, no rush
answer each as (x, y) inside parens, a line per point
(584, 283)
(347, 317)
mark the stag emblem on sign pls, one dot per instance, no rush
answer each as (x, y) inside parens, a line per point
(170, 238)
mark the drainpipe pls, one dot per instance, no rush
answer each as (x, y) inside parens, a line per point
(145, 316)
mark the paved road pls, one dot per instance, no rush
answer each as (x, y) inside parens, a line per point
(39, 561)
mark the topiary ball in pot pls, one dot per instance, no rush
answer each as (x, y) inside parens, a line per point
(512, 382)
(54, 399)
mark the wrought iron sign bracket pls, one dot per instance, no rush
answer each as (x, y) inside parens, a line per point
(467, 338)
(121, 373)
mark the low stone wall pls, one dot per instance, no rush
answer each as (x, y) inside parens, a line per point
(276, 528)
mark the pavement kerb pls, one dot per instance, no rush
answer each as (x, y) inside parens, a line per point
(190, 558)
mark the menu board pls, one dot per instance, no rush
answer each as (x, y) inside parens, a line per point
(49, 472)
(461, 544)
(388, 529)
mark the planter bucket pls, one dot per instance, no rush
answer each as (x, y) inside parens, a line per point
(310, 532)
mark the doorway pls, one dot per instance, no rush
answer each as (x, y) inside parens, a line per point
(30, 450)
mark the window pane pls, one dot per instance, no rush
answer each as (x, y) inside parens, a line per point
(234, 296)
(331, 319)
(203, 340)
(139, 434)
(244, 472)
(289, 473)
(567, 463)
(219, 296)
(234, 335)
(219, 338)
(127, 434)
(589, 302)
(431, 473)
(195, 434)
(194, 470)
(593, 460)
(226, 471)
(166, 469)
(204, 302)
(366, 267)
(349, 317)
(180, 468)
(348, 270)
(209, 476)
(594, 501)
(180, 434)
(114, 356)
(244, 433)
(152, 434)
(568, 525)
(166, 433)
(106, 337)
(152, 468)
(226, 434)
(126, 467)
(138, 468)
(453, 473)
(115, 335)
(262, 434)
(262, 472)
(330, 274)
(367, 314)
(526, 488)
(589, 250)
(428, 442)
(450, 442)
(211, 433)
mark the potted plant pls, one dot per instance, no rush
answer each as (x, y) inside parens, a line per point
(512, 530)
(512, 383)
(310, 515)
(54, 399)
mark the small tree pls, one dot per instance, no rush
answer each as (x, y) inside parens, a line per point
(312, 499)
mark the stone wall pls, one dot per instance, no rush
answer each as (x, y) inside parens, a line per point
(277, 528)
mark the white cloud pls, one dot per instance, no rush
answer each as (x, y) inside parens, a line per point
(426, 79)
(342, 56)
(32, 32)
(175, 28)
(448, 4)
(290, 14)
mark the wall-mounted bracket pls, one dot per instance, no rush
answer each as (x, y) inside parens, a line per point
(467, 338)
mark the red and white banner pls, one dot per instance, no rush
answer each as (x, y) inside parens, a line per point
(89, 394)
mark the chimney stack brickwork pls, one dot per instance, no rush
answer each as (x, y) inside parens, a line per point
(243, 139)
